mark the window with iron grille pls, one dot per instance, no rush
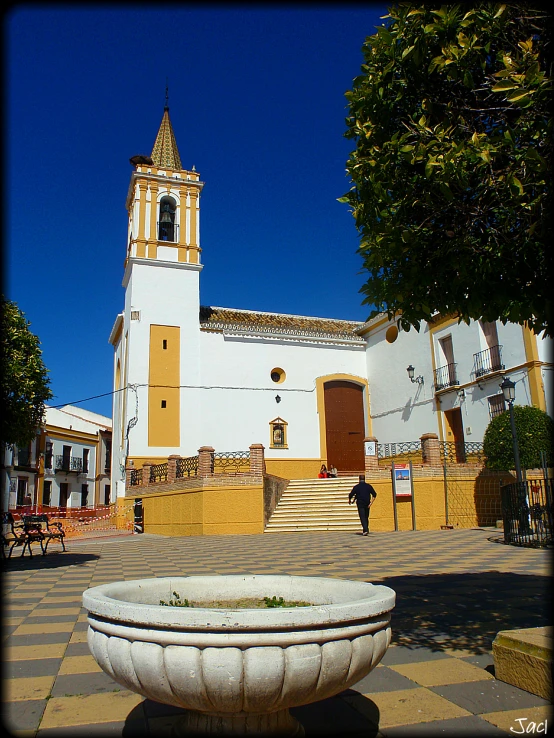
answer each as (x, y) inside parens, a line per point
(497, 405)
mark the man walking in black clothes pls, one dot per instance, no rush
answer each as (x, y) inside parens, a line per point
(364, 494)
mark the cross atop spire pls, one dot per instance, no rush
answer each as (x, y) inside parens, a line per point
(165, 152)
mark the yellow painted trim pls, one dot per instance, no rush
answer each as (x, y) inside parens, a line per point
(154, 189)
(319, 389)
(143, 186)
(442, 322)
(440, 418)
(126, 391)
(64, 434)
(163, 386)
(194, 195)
(378, 324)
(141, 247)
(282, 375)
(118, 334)
(98, 465)
(40, 448)
(182, 218)
(536, 386)
(139, 461)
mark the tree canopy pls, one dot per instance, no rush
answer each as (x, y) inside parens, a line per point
(535, 434)
(451, 173)
(25, 382)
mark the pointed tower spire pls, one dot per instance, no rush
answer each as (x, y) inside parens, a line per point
(165, 152)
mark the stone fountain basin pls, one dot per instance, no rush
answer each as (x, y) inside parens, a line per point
(238, 661)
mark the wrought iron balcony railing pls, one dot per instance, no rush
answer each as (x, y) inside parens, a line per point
(488, 361)
(446, 376)
(68, 464)
(23, 457)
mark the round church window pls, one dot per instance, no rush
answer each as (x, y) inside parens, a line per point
(392, 334)
(278, 375)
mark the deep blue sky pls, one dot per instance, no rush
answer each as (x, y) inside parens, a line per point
(257, 104)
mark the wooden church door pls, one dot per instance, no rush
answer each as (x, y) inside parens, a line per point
(345, 426)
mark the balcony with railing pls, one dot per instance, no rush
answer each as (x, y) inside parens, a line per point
(488, 361)
(446, 376)
(23, 458)
(68, 464)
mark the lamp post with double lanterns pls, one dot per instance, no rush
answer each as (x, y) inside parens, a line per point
(509, 391)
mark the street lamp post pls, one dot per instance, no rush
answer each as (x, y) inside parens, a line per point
(509, 391)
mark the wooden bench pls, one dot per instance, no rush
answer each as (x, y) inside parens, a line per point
(49, 530)
(15, 534)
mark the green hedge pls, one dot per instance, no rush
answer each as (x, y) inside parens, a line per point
(535, 433)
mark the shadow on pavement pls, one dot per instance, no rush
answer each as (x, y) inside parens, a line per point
(466, 611)
(330, 717)
(52, 560)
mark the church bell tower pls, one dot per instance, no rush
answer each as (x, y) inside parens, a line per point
(156, 337)
(163, 203)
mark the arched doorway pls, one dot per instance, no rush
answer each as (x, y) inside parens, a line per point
(344, 424)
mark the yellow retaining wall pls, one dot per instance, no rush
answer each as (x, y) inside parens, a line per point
(124, 513)
(294, 468)
(429, 497)
(474, 497)
(209, 511)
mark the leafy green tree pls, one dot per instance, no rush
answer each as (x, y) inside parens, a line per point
(25, 382)
(452, 167)
(535, 433)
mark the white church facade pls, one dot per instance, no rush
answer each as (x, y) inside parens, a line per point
(309, 389)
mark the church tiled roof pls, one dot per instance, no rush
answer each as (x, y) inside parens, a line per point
(246, 321)
(165, 153)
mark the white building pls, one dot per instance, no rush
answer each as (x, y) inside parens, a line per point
(68, 463)
(76, 446)
(309, 389)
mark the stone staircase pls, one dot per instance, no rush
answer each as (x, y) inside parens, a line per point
(315, 504)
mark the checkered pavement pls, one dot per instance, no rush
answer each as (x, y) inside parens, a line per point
(455, 590)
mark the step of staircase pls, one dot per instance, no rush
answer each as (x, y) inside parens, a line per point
(315, 504)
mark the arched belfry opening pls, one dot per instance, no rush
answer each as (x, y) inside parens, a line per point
(344, 424)
(167, 228)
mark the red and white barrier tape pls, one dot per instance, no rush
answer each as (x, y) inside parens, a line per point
(75, 523)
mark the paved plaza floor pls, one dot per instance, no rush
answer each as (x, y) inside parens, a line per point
(455, 590)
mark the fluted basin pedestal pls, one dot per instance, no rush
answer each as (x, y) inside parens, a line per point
(279, 723)
(237, 670)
